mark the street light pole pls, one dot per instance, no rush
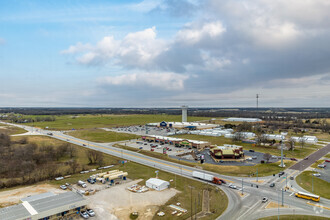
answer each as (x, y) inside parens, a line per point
(242, 187)
(257, 174)
(312, 184)
(282, 197)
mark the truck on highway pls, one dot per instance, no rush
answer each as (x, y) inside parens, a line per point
(208, 177)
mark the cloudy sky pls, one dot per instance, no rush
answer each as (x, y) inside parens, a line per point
(134, 53)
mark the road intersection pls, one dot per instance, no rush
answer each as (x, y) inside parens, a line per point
(239, 207)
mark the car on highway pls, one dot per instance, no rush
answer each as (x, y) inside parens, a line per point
(280, 173)
(265, 199)
(84, 214)
(293, 159)
(272, 185)
(90, 212)
(317, 174)
(322, 165)
(232, 186)
(306, 158)
(291, 178)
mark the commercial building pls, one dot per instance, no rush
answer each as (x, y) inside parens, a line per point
(178, 142)
(45, 206)
(305, 139)
(243, 119)
(277, 137)
(157, 184)
(227, 152)
(183, 125)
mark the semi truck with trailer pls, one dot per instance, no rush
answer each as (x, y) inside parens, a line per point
(208, 177)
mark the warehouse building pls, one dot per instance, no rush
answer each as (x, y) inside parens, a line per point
(157, 184)
(183, 125)
(227, 152)
(306, 139)
(45, 206)
(243, 119)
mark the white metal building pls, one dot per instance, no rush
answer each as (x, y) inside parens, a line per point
(157, 184)
(242, 119)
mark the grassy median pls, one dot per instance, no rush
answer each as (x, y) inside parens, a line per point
(321, 187)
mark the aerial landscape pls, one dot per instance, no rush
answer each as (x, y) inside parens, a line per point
(165, 109)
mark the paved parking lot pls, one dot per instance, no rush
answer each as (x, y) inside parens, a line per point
(325, 172)
(144, 130)
(145, 145)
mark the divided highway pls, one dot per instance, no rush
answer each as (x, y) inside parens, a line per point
(248, 206)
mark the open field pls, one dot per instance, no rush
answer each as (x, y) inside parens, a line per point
(11, 130)
(102, 136)
(298, 152)
(327, 156)
(68, 122)
(321, 187)
(295, 217)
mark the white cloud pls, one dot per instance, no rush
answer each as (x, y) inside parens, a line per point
(193, 33)
(162, 81)
(137, 49)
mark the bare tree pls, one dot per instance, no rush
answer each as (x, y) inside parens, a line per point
(71, 151)
(291, 144)
(74, 165)
(267, 157)
(302, 142)
(94, 156)
(238, 136)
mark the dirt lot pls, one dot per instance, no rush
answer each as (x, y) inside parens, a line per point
(117, 202)
(13, 196)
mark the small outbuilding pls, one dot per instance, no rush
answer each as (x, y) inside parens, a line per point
(157, 184)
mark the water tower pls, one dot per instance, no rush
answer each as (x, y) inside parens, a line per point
(184, 113)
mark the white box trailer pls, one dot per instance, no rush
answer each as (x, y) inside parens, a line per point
(203, 176)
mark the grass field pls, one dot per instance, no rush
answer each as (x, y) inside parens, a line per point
(298, 152)
(327, 156)
(10, 130)
(102, 136)
(295, 217)
(68, 122)
(321, 187)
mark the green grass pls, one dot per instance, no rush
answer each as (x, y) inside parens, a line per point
(295, 217)
(101, 136)
(314, 165)
(321, 187)
(327, 156)
(67, 122)
(298, 152)
(11, 130)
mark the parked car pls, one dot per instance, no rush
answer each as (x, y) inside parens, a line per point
(265, 199)
(272, 185)
(254, 157)
(63, 187)
(328, 161)
(249, 159)
(161, 214)
(317, 174)
(90, 212)
(322, 165)
(84, 214)
(251, 150)
(291, 178)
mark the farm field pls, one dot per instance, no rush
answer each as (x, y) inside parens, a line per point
(11, 130)
(321, 187)
(102, 136)
(68, 122)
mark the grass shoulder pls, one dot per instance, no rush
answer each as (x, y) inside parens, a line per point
(321, 187)
(314, 165)
(102, 136)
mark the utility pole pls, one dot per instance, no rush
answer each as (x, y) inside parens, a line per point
(286, 181)
(191, 203)
(257, 96)
(257, 174)
(282, 197)
(278, 205)
(242, 187)
(312, 184)
(282, 164)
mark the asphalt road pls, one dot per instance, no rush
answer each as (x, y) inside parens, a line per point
(238, 207)
(303, 164)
